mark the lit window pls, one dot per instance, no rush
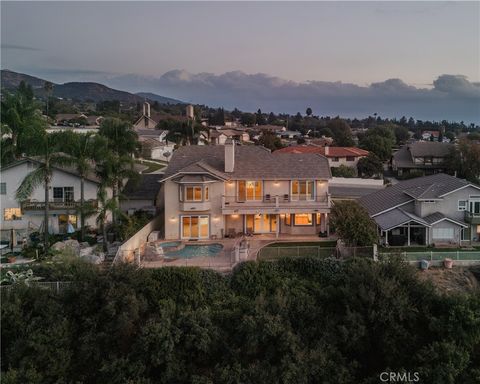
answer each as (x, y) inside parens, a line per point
(302, 190)
(3, 188)
(302, 219)
(206, 193)
(462, 205)
(249, 190)
(193, 193)
(288, 220)
(12, 214)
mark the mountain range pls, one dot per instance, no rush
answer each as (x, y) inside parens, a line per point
(83, 91)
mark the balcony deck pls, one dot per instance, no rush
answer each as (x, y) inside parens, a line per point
(472, 218)
(56, 205)
(275, 204)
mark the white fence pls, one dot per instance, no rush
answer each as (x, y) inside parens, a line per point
(54, 286)
(465, 257)
(131, 250)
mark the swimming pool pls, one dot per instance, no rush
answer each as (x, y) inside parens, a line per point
(191, 251)
(169, 244)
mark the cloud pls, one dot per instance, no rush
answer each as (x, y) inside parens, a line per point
(19, 47)
(453, 97)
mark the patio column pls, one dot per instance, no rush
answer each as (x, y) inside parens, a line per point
(327, 224)
(386, 237)
(277, 229)
(408, 234)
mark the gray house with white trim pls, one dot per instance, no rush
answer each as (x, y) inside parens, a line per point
(427, 210)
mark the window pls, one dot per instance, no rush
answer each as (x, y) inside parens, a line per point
(249, 190)
(319, 219)
(206, 193)
(57, 193)
(288, 219)
(61, 194)
(302, 190)
(3, 188)
(335, 159)
(193, 193)
(443, 233)
(462, 205)
(195, 227)
(12, 214)
(350, 158)
(302, 219)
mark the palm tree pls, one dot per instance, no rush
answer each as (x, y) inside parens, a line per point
(20, 117)
(48, 88)
(42, 175)
(116, 165)
(84, 150)
(106, 205)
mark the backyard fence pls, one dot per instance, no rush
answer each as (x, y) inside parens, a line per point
(54, 286)
(271, 253)
(473, 256)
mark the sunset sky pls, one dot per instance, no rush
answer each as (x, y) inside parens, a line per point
(189, 49)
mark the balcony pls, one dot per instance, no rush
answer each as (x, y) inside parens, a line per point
(32, 205)
(472, 218)
(276, 204)
(195, 206)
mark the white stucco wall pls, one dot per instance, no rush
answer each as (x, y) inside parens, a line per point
(33, 219)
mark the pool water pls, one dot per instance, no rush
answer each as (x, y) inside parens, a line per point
(169, 244)
(191, 251)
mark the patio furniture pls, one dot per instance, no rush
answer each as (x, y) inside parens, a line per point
(285, 197)
(231, 232)
(268, 197)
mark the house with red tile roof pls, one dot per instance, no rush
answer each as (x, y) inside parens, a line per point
(336, 156)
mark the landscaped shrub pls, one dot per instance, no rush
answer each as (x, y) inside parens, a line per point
(288, 321)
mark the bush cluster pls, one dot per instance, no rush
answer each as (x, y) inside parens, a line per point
(290, 321)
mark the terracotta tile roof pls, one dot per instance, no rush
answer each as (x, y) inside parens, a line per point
(332, 151)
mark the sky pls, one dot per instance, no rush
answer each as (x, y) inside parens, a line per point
(415, 57)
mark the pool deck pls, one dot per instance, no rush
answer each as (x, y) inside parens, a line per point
(225, 260)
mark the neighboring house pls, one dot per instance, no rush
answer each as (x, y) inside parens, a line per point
(150, 120)
(288, 134)
(216, 191)
(155, 149)
(425, 156)
(426, 210)
(64, 198)
(336, 156)
(220, 136)
(342, 188)
(141, 194)
(65, 119)
(430, 135)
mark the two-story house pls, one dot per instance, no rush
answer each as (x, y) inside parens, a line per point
(28, 215)
(217, 191)
(427, 157)
(336, 156)
(426, 210)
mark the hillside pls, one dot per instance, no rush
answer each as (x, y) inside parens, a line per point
(82, 91)
(160, 99)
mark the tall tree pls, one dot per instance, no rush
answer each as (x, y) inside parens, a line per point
(353, 224)
(309, 111)
(42, 175)
(342, 134)
(370, 166)
(48, 88)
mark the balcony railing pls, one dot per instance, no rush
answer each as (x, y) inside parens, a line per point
(278, 201)
(30, 205)
(472, 217)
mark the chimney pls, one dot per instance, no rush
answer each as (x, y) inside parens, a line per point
(146, 109)
(190, 112)
(327, 151)
(229, 155)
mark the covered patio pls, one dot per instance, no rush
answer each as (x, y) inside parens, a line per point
(399, 228)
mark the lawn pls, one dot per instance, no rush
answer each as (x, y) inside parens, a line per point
(152, 166)
(326, 244)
